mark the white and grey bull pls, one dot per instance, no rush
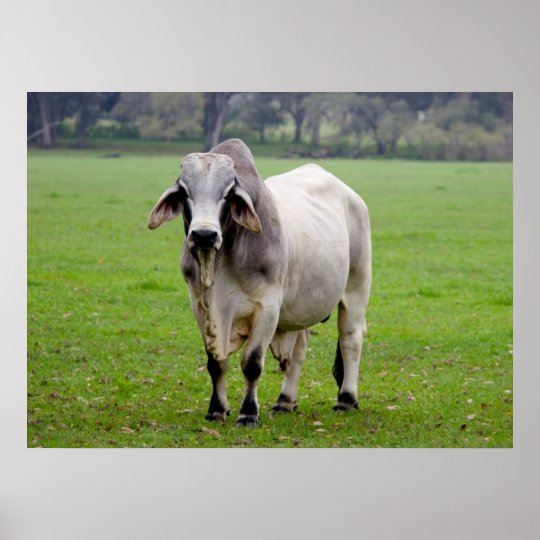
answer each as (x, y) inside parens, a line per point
(264, 261)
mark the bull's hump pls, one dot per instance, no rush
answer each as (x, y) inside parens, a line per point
(241, 155)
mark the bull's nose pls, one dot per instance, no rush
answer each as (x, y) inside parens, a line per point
(204, 238)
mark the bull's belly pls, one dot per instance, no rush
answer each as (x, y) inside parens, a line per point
(317, 276)
(294, 319)
(305, 306)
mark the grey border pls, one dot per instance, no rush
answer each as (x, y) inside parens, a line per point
(278, 45)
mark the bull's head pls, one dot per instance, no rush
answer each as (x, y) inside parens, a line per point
(208, 196)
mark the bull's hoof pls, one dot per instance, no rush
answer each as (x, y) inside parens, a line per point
(284, 404)
(283, 407)
(247, 420)
(346, 402)
(342, 407)
(217, 416)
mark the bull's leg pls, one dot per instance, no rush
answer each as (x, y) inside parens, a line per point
(351, 328)
(286, 401)
(217, 360)
(219, 406)
(263, 327)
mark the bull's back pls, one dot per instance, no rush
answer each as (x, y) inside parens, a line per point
(315, 211)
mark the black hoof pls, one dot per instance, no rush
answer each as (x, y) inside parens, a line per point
(284, 404)
(346, 402)
(247, 421)
(282, 407)
(341, 407)
(216, 416)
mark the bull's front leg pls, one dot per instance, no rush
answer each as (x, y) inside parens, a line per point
(215, 331)
(263, 327)
(219, 406)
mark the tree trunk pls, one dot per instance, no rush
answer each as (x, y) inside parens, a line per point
(315, 134)
(44, 113)
(215, 108)
(262, 140)
(359, 143)
(83, 121)
(298, 119)
(381, 148)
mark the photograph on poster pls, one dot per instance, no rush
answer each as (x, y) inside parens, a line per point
(345, 278)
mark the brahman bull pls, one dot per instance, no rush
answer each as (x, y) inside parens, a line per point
(264, 261)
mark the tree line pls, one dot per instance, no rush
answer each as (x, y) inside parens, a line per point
(414, 125)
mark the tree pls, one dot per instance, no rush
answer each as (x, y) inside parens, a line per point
(130, 107)
(383, 117)
(293, 103)
(90, 105)
(45, 111)
(349, 116)
(215, 108)
(318, 107)
(395, 121)
(161, 115)
(258, 111)
(371, 110)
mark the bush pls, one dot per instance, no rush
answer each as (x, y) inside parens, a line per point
(425, 141)
(463, 141)
(239, 130)
(474, 143)
(66, 128)
(111, 129)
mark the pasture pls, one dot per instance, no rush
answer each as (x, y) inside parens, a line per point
(115, 358)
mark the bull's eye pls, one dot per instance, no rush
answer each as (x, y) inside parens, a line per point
(223, 208)
(187, 211)
(182, 193)
(228, 193)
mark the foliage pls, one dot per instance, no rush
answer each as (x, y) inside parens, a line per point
(216, 105)
(426, 141)
(46, 110)
(162, 115)
(475, 126)
(114, 355)
(396, 120)
(257, 111)
(295, 105)
(318, 108)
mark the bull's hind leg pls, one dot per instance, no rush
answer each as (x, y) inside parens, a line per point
(291, 354)
(352, 328)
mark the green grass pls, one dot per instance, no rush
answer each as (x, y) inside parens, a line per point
(115, 359)
(146, 147)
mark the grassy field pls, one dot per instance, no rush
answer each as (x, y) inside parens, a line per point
(115, 359)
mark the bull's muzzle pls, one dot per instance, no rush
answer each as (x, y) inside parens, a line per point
(204, 238)
(204, 243)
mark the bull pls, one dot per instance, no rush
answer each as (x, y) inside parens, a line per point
(263, 262)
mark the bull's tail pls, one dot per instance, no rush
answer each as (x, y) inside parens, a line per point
(337, 370)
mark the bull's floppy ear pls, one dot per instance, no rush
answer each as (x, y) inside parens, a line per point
(242, 211)
(168, 207)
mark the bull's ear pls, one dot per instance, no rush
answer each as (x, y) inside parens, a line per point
(168, 207)
(243, 212)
